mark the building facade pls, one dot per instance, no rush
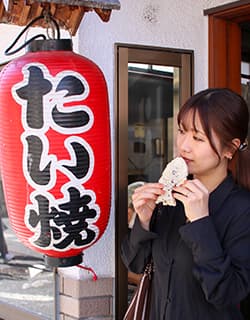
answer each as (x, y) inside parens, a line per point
(177, 34)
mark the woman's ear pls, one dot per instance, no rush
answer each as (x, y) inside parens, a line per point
(231, 150)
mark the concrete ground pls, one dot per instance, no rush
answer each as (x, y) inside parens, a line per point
(25, 281)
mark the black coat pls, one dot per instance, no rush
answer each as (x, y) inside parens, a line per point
(202, 269)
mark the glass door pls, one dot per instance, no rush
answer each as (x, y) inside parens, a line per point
(152, 83)
(151, 110)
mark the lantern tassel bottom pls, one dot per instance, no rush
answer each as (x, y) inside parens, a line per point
(63, 262)
(94, 275)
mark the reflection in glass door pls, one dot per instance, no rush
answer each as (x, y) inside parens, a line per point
(150, 120)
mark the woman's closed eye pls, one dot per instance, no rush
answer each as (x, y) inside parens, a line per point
(197, 138)
(181, 131)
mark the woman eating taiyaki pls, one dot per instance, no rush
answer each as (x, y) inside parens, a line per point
(200, 245)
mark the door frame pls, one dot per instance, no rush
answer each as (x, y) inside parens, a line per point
(224, 43)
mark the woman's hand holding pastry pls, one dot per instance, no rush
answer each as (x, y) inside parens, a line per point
(144, 201)
(194, 196)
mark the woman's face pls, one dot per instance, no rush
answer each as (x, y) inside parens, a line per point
(194, 147)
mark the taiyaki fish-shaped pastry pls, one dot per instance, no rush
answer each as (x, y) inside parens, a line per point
(173, 175)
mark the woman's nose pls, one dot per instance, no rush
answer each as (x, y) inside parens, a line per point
(186, 144)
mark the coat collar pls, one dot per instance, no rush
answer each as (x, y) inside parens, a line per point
(219, 195)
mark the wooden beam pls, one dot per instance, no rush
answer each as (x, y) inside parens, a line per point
(102, 4)
(68, 13)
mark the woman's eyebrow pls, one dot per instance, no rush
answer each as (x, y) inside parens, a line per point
(199, 131)
(195, 129)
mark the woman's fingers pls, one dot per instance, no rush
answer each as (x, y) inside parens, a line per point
(194, 196)
(149, 191)
(144, 199)
(191, 186)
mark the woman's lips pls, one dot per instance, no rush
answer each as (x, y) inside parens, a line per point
(187, 160)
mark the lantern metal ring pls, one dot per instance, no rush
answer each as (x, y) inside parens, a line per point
(52, 23)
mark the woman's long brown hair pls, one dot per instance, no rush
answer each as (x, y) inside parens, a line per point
(226, 113)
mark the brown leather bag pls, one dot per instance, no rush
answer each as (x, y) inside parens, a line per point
(139, 307)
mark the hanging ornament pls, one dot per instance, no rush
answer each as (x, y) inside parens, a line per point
(55, 150)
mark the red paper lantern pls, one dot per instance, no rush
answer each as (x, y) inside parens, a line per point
(55, 150)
